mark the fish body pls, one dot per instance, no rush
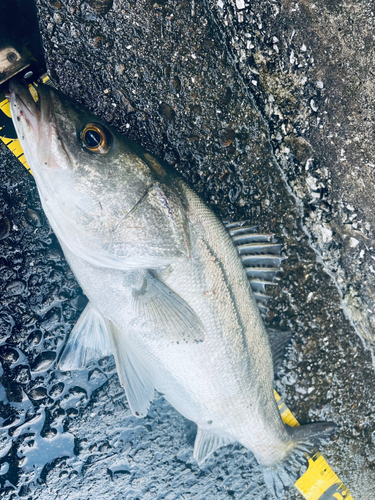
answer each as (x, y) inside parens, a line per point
(168, 293)
(224, 383)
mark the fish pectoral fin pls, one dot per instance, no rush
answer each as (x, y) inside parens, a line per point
(88, 340)
(167, 311)
(206, 443)
(132, 372)
(279, 341)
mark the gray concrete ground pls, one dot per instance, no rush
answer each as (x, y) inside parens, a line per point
(202, 86)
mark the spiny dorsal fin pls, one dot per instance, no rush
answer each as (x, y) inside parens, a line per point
(259, 285)
(269, 261)
(238, 225)
(88, 340)
(258, 248)
(261, 273)
(206, 443)
(260, 256)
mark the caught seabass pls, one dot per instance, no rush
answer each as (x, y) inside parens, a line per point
(168, 293)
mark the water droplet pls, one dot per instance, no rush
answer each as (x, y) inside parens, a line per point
(43, 361)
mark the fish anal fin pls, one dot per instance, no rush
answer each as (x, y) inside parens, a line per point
(206, 443)
(134, 375)
(88, 340)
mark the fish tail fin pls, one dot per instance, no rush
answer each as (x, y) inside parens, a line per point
(281, 476)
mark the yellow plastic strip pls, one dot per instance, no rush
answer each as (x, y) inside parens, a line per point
(6, 140)
(286, 414)
(319, 482)
(4, 106)
(15, 146)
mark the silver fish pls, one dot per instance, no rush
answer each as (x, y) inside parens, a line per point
(168, 293)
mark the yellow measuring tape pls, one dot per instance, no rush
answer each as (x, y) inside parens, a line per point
(319, 481)
(13, 143)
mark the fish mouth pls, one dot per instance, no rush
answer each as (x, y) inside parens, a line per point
(30, 116)
(23, 107)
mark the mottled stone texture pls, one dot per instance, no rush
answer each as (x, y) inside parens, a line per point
(311, 68)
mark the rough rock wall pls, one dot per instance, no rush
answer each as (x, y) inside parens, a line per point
(311, 68)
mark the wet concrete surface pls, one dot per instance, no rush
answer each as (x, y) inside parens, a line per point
(161, 73)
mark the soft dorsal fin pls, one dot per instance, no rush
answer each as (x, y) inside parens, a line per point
(260, 256)
(279, 341)
(133, 373)
(206, 443)
(155, 301)
(88, 340)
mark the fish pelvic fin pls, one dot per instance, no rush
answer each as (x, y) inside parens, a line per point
(285, 473)
(88, 340)
(206, 443)
(133, 373)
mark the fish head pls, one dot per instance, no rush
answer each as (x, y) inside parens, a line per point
(88, 175)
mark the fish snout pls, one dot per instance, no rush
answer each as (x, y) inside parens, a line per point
(23, 108)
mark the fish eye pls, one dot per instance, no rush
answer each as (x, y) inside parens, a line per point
(94, 138)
